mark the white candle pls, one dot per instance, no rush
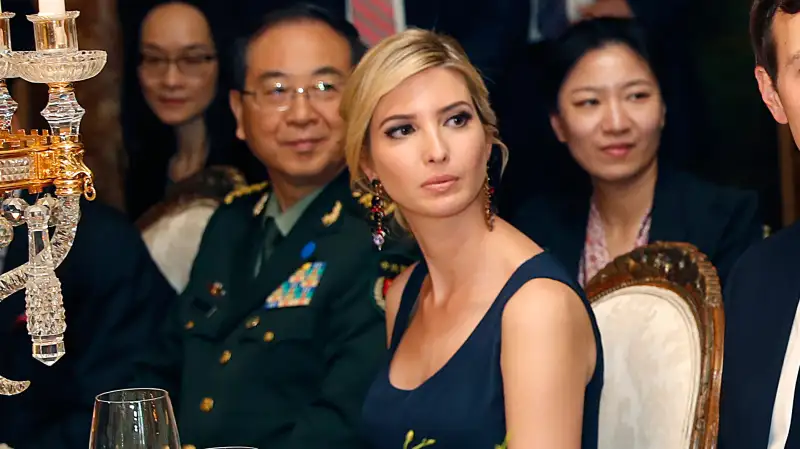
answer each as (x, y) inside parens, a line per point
(52, 8)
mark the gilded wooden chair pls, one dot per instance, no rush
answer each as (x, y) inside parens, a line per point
(659, 309)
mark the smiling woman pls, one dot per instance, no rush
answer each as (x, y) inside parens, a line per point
(178, 73)
(180, 123)
(491, 343)
(607, 109)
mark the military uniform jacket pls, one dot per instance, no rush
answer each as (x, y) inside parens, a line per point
(283, 359)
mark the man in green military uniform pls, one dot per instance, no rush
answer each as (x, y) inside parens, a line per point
(280, 333)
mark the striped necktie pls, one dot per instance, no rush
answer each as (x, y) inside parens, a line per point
(374, 19)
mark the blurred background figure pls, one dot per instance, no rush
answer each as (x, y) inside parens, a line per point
(607, 109)
(522, 103)
(183, 129)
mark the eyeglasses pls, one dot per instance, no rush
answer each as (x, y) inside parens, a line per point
(279, 96)
(189, 65)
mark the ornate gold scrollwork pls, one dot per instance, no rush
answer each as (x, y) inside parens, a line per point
(71, 167)
(53, 160)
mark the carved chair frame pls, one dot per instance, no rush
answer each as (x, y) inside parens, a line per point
(684, 270)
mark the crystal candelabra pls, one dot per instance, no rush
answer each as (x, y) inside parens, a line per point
(33, 161)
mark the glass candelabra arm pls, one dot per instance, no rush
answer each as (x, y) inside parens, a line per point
(7, 107)
(35, 161)
(48, 348)
(66, 226)
(65, 218)
(44, 305)
(10, 387)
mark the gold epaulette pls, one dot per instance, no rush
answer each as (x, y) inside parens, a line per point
(365, 199)
(245, 190)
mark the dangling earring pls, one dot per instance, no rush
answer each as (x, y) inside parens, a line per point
(378, 232)
(488, 208)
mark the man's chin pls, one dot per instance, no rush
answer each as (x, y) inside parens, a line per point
(313, 174)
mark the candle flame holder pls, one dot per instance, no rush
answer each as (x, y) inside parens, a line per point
(34, 161)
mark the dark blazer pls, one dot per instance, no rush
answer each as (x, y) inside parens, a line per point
(760, 304)
(721, 221)
(115, 297)
(245, 370)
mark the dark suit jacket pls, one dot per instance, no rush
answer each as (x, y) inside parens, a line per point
(760, 303)
(292, 376)
(722, 222)
(115, 297)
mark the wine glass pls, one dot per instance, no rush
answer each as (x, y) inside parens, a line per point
(140, 418)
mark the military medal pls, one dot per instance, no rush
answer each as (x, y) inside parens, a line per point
(298, 289)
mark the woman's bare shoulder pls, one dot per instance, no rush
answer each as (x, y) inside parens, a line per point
(542, 300)
(548, 314)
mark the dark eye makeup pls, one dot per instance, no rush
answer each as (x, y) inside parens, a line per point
(458, 120)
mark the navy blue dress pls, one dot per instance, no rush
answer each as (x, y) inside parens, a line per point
(462, 405)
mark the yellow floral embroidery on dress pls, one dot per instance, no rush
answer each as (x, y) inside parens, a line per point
(429, 442)
(424, 443)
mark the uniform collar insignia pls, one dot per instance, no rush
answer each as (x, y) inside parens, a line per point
(331, 217)
(259, 207)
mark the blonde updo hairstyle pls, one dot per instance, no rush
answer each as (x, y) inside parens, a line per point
(387, 65)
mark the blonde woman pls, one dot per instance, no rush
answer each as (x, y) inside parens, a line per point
(491, 342)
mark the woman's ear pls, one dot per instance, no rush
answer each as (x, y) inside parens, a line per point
(558, 128)
(491, 138)
(367, 166)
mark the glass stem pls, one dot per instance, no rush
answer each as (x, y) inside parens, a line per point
(7, 107)
(63, 112)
